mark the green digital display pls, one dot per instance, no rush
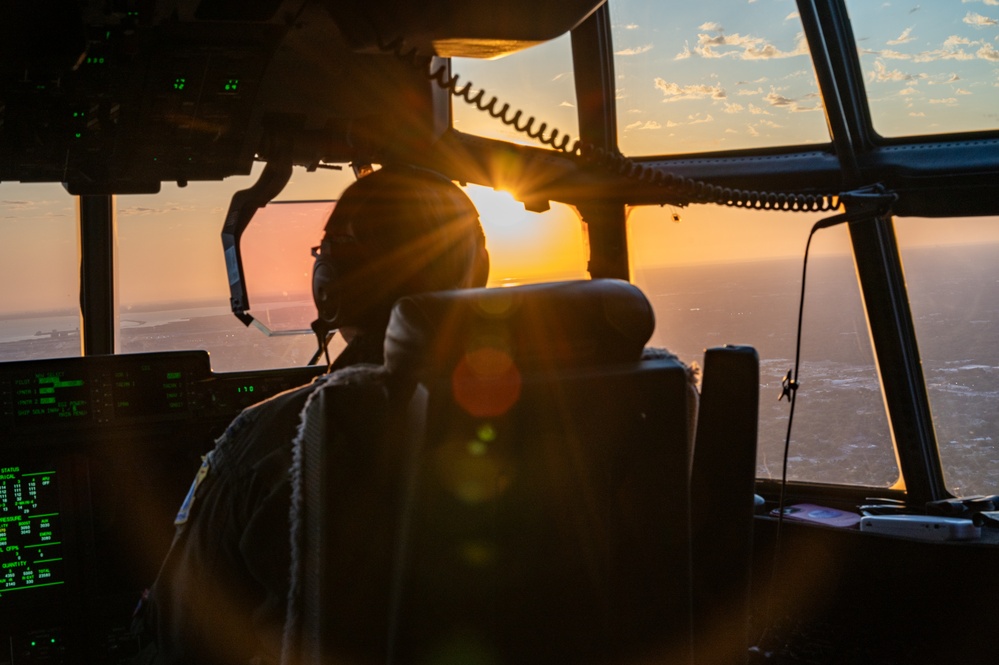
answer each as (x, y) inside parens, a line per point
(51, 396)
(31, 549)
(148, 390)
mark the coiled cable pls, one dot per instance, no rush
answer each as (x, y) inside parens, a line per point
(691, 190)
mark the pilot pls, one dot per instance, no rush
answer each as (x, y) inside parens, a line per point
(220, 595)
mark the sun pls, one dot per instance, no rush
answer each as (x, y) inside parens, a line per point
(528, 246)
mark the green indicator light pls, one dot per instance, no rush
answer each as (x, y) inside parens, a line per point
(47, 400)
(231, 85)
(173, 375)
(486, 433)
(179, 83)
(477, 448)
(69, 384)
(78, 135)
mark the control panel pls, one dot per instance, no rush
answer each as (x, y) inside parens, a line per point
(96, 454)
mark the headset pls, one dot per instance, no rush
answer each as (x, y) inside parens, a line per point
(338, 302)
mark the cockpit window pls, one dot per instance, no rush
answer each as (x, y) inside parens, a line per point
(39, 273)
(931, 67)
(951, 273)
(537, 81)
(715, 75)
(745, 290)
(173, 288)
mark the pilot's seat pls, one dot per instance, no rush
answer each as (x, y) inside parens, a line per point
(512, 487)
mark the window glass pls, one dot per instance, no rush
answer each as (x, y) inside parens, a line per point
(713, 75)
(732, 276)
(39, 272)
(952, 273)
(174, 292)
(173, 288)
(930, 67)
(537, 81)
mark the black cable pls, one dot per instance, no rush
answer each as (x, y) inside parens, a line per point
(693, 191)
(865, 203)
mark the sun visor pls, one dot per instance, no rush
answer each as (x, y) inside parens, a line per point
(457, 28)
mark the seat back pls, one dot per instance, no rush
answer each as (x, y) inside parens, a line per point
(531, 498)
(546, 520)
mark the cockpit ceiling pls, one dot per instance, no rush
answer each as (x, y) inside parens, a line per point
(117, 97)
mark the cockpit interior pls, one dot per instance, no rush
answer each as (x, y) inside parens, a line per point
(801, 195)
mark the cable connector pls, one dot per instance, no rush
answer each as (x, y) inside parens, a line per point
(871, 199)
(787, 387)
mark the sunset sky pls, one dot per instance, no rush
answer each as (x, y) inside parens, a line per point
(706, 75)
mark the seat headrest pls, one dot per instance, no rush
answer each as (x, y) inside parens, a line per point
(537, 326)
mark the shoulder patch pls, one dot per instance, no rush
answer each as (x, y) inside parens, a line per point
(185, 508)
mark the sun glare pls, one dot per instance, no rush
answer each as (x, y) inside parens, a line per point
(528, 246)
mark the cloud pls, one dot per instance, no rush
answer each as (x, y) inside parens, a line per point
(892, 55)
(948, 101)
(684, 54)
(137, 211)
(993, 3)
(568, 105)
(18, 205)
(778, 100)
(650, 124)
(748, 93)
(882, 74)
(637, 50)
(674, 92)
(696, 119)
(756, 110)
(962, 91)
(943, 54)
(141, 211)
(903, 38)
(988, 52)
(907, 91)
(792, 16)
(734, 108)
(631, 26)
(742, 47)
(917, 114)
(979, 21)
